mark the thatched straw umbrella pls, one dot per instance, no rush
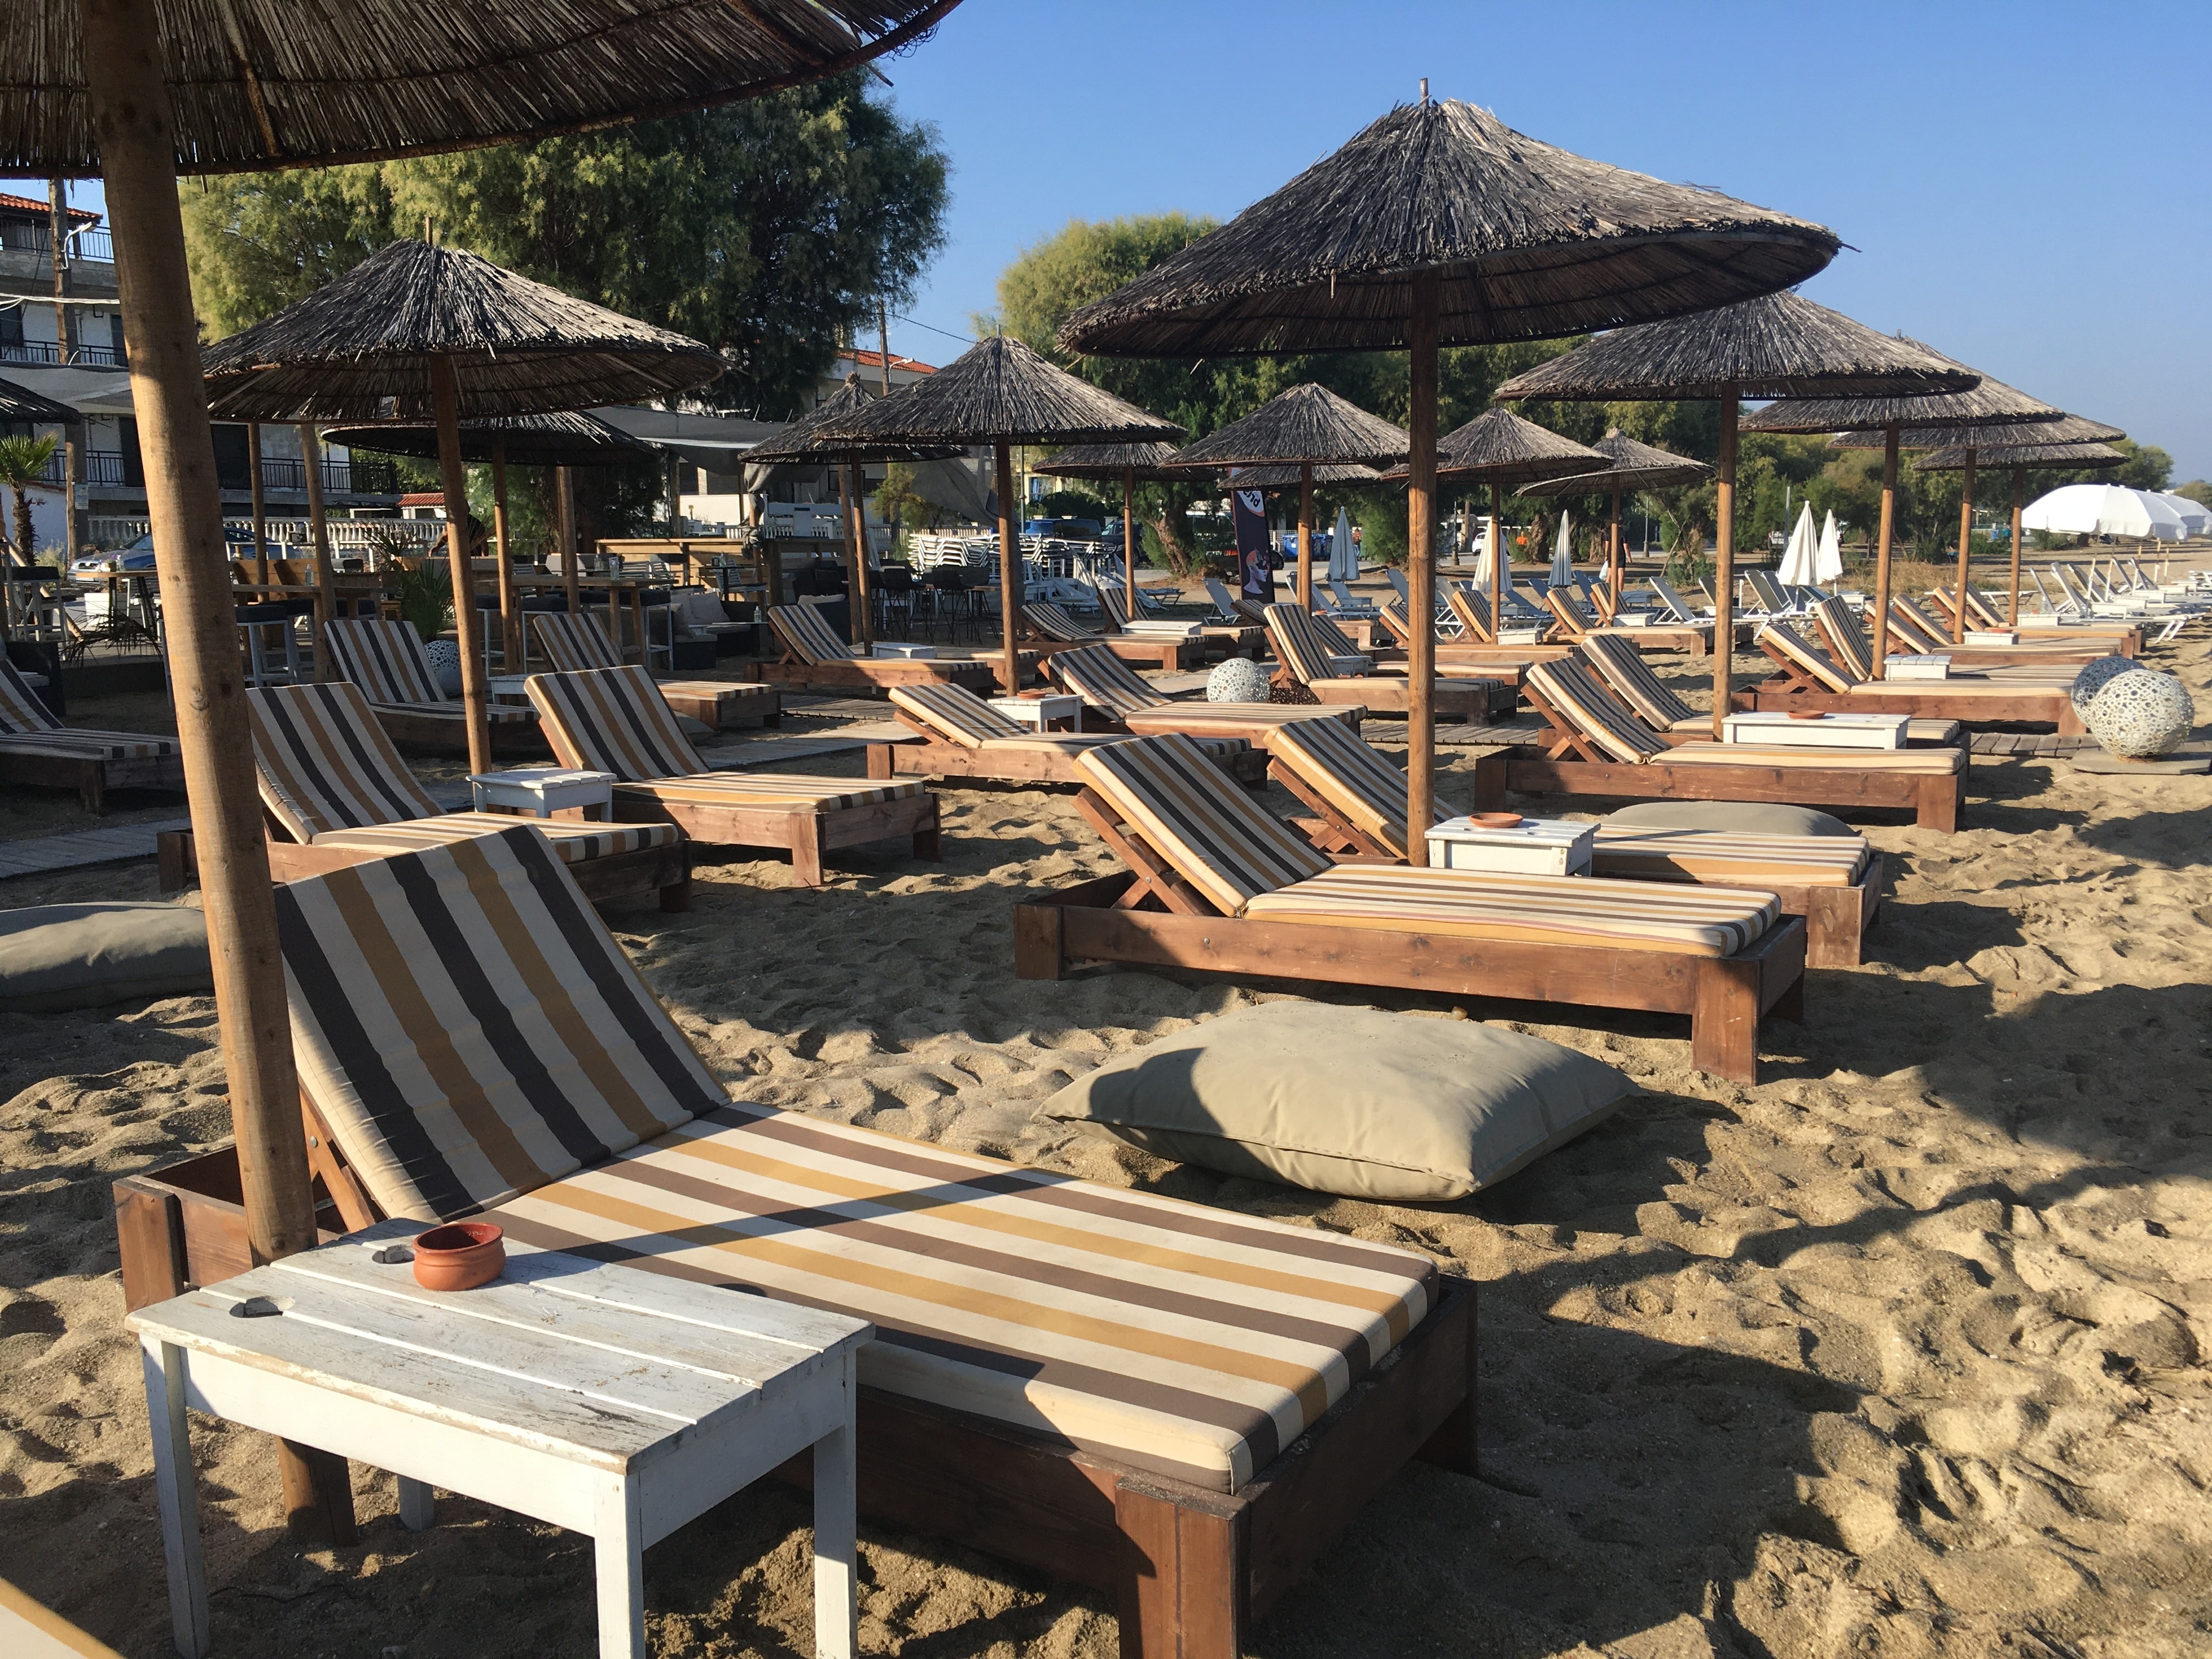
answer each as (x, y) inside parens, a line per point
(1782, 345)
(134, 90)
(1988, 403)
(2087, 454)
(1000, 392)
(1633, 466)
(1500, 449)
(807, 442)
(1282, 478)
(416, 330)
(560, 440)
(1128, 463)
(1440, 225)
(1301, 427)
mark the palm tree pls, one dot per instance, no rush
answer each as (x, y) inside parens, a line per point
(24, 462)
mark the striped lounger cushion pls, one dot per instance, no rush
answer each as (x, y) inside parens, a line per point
(1822, 760)
(1653, 853)
(29, 727)
(324, 763)
(575, 841)
(808, 634)
(1623, 669)
(961, 718)
(1102, 679)
(1183, 1341)
(1055, 623)
(1340, 766)
(574, 644)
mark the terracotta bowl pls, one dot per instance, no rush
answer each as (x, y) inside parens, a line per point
(1809, 714)
(458, 1256)
(1493, 820)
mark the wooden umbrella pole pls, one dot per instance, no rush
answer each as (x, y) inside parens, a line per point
(1305, 535)
(318, 527)
(1497, 562)
(445, 395)
(1966, 550)
(2018, 490)
(1010, 556)
(1129, 539)
(510, 609)
(856, 560)
(1421, 571)
(129, 107)
(564, 489)
(1616, 560)
(1882, 553)
(1724, 567)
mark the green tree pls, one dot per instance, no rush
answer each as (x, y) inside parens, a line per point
(2197, 489)
(22, 464)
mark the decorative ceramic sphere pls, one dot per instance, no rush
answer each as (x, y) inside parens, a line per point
(2094, 677)
(444, 656)
(1237, 680)
(2140, 716)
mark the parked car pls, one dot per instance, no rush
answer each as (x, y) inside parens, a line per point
(138, 556)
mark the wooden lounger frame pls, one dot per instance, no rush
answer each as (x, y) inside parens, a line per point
(1837, 919)
(1563, 762)
(1795, 689)
(753, 700)
(1392, 693)
(93, 776)
(441, 736)
(1170, 652)
(931, 756)
(1098, 921)
(1191, 1571)
(875, 673)
(806, 836)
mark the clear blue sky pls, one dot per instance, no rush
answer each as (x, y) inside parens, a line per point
(2026, 183)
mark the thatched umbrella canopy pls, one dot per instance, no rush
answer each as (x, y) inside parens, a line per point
(2020, 456)
(21, 406)
(416, 330)
(1782, 345)
(2066, 429)
(137, 91)
(1000, 392)
(1305, 426)
(1282, 478)
(1152, 461)
(1988, 406)
(1633, 466)
(809, 441)
(1440, 225)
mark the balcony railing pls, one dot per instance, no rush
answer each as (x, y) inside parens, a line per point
(93, 245)
(363, 475)
(47, 352)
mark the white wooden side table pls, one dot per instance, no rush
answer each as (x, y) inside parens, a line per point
(603, 1399)
(538, 792)
(1778, 729)
(1042, 713)
(1543, 846)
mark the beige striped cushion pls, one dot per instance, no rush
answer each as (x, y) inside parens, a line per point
(1190, 1342)
(613, 720)
(1621, 665)
(453, 711)
(1472, 606)
(573, 644)
(468, 1031)
(800, 791)
(1653, 852)
(1571, 692)
(808, 634)
(77, 743)
(1567, 910)
(1298, 644)
(955, 713)
(324, 763)
(1913, 629)
(1114, 606)
(1563, 605)
(1847, 640)
(1259, 716)
(1825, 760)
(1340, 766)
(1334, 639)
(575, 841)
(20, 711)
(384, 656)
(1055, 623)
(1209, 831)
(1801, 654)
(1102, 679)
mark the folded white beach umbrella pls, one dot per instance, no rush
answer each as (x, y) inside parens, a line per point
(1563, 551)
(1828, 560)
(1343, 562)
(1799, 558)
(2195, 517)
(2104, 509)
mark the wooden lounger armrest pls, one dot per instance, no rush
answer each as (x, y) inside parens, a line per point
(1155, 879)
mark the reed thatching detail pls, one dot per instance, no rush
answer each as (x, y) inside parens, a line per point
(2066, 429)
(360, 348)
(1287, 477)
(1780, 345)
(999, 391)
(1500, 447)
(2003, 455)
(1989, 402)
(1150, 462)
(1529, 241)
(570, 438)
(1635, 466)
(262, 83)
(19, 405)
(1306, 423)
(807, 440)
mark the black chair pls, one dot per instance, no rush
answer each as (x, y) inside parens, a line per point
(893, 595)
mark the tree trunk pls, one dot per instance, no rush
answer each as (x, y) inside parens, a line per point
(24, 553)
(1172, 545)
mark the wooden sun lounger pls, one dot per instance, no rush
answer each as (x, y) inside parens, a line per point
(1809, 678)
(572, 644)
(1052, 629)
(1307, 662)
(38, 750)
(1189, 1567)
(385, 657)
(613, 720)
(1239, 639)
(1115, 699)
(813, 655)
(961, 736)
(1110, 919)
(1595, 746)
(1693, 640)
(2111, 640)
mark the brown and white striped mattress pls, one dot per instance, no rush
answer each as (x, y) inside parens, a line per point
(29, 727)
(1654, 852)
(575, 841)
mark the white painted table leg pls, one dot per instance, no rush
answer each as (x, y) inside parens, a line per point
(178, 1496)
(619, 1536)
(418, 1508)
(836, 1614)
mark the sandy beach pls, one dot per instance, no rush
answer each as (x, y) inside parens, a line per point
(1897, 1353)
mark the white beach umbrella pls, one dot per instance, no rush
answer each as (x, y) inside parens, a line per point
(1563, 551)
(2195, 517)
(1828, 560)
(1799, 558)
(2102, 509)
(1343, 563)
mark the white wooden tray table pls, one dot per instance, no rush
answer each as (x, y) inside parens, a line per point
(607, 1400)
